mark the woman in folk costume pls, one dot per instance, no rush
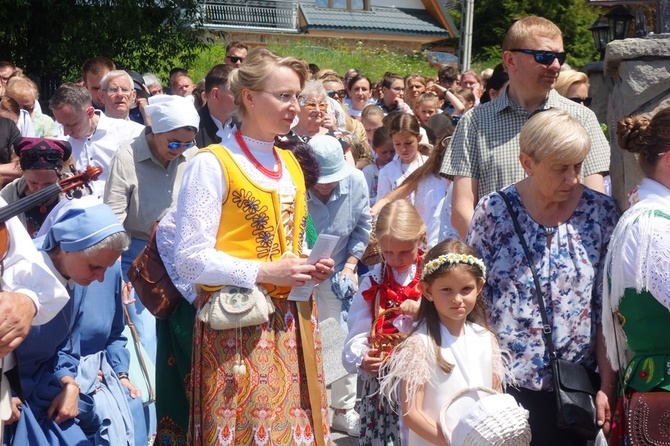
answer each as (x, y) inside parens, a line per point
(636, 298)
(79, 241)
(240, 209)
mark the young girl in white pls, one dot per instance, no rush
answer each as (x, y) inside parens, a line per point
(450, 349)
(405, 132)
(382, 145)
(392, 284)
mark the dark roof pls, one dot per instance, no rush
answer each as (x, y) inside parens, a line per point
(378, 20)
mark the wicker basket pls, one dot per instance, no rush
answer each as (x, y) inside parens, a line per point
(495, 419)
(372, 254)
(384, 342)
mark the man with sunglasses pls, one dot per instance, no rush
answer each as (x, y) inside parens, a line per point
(236, 51)
(484, 151)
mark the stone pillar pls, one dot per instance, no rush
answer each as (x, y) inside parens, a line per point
(599, 89)
(639, 70)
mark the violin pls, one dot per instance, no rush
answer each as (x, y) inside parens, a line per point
(72, 187)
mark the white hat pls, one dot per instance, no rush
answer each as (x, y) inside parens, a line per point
(329, 154)
(170, 112)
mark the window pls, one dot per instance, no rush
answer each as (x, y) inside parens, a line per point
(344, 4)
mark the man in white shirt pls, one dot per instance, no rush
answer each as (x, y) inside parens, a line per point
(117, 93)
(93, 136)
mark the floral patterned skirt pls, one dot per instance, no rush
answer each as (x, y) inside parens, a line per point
(380, 422)
(267, 405)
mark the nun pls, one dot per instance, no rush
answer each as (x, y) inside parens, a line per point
(79, 241)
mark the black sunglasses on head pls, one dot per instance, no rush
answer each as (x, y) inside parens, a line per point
(544, 57)
(586, 101)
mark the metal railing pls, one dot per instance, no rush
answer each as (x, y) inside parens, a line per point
(247, 14)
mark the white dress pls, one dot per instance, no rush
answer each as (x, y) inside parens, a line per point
(474, 355)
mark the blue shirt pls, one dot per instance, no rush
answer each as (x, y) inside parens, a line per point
(345, 214)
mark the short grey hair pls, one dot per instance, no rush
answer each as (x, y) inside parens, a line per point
(313, 89)
(74, 95)
(554, 134)
(151, 79)
(104, 83)
(119, 241)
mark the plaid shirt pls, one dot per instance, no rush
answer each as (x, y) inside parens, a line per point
(486, 143)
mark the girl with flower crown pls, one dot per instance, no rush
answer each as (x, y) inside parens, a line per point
(393, 284)
(449, 351)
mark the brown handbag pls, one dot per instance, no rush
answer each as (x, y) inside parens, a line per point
(151, 281)
(648, 418)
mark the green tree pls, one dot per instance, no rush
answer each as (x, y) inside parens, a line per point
(53, 38)
(492, 18)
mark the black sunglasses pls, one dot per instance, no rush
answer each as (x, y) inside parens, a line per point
(544, 57)
(340, 93)
(586, 101)
(235, 59)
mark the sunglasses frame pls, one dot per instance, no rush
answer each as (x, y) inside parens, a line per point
(341, 93)
(541, 56)
(586, 101)
(235, 59)
(176, 145)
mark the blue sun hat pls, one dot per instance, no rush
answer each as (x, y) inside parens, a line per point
(328, 152)
(77, 224)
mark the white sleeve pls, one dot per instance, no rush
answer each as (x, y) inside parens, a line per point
(385, 184)
(655, 262)
(25, 272)
(198, 218)
(359, 321)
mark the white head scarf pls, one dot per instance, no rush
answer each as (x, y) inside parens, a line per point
(170, 112)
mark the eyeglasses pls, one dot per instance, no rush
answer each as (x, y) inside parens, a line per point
(544, 57)
(312, 106)
(340, 93)
(398, 89)
(235, 59)
(586, 101)
(125, 91)
(176, 145)
(288, 98)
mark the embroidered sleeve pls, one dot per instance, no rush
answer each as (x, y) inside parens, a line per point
(656, 262)
(198, 218)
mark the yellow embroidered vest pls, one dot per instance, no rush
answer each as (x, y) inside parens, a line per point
(251, 219)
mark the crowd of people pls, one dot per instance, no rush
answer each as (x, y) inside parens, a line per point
(472, 222)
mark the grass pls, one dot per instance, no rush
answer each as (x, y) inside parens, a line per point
(372, 62)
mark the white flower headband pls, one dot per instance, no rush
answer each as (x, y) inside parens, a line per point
(452, 259)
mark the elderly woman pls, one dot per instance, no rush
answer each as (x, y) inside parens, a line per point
(314, 119)
(339, 205)
(240, 209)
(79, 241)
(144, 180)
(24, 91)
(41, 162)
(567, 227)
(637, 266)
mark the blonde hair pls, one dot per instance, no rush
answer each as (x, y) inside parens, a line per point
(554, 134)
(259, 64)
(534, 26)
(567, 78)
(425, 98)
(401, 221)
(18, 84)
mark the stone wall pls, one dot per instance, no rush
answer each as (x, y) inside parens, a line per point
(639, 70)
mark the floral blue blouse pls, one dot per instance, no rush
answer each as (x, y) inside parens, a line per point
(570, 271)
